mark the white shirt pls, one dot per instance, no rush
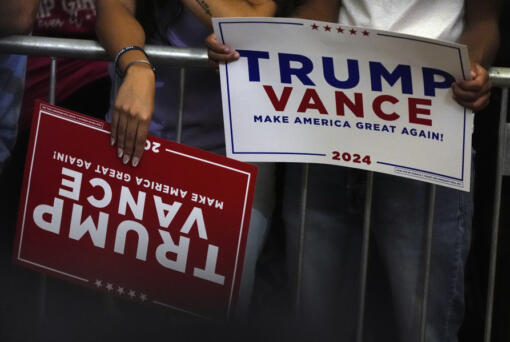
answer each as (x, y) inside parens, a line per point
(439, 19)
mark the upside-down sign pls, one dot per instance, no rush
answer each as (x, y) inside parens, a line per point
(316, 92)
(171, 231)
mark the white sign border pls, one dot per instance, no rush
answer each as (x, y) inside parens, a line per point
(379, 33)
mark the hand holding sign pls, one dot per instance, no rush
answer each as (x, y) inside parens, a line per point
(219, 53)
(324, 93)
(474, 94)
(162, 229)
(132, 113)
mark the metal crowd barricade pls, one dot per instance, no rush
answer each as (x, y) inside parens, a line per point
(191, 57)
(88, 49)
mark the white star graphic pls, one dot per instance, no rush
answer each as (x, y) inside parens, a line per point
(132, 293)
(109, 286)
(98, 283)
(143, 297)
(120, 290)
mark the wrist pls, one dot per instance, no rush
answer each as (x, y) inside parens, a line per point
(141, 62)
(141, 70)
(128, 56)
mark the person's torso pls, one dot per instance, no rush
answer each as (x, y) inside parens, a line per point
(202, 120)
(438, 19)
(66, 18)
(63, 19)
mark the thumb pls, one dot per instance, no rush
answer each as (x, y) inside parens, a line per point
(475, 69)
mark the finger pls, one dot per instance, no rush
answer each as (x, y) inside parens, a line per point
(480, 78)
(470, 95)
(210, 39)
(221, 57)
(471, 85)
(481, 103)
(477, 105)
(480, 72)
(141, 137)
(213, 44)
(129, 142)
(113, 126)
(218, 47)
(121, 134)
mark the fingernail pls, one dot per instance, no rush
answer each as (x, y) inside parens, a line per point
(226, 49)
(135, 161)
(125, 159)
(236, 54)
(119, 152)
(112, 141)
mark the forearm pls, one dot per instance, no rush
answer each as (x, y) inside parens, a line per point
(324, 10)
(116, 28)
(482, 41)
(204, 10)
(16, 16)
(481, 33)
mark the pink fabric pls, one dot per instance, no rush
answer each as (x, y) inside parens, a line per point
(69, 19)
(66, 18)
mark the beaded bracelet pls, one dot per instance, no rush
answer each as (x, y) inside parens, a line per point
(123, 51)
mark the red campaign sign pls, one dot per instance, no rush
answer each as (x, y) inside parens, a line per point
(171, 231)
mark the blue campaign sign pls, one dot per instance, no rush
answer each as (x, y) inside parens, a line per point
(316, 92)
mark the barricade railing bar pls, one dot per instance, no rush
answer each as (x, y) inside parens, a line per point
(195, 57)
(90, 49)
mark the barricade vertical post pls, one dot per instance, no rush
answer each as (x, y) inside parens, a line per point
(427, 257)
(53, 80)
(302, 232)
(43, 279)
(364, 255)
(495, 217)
(180, 109)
